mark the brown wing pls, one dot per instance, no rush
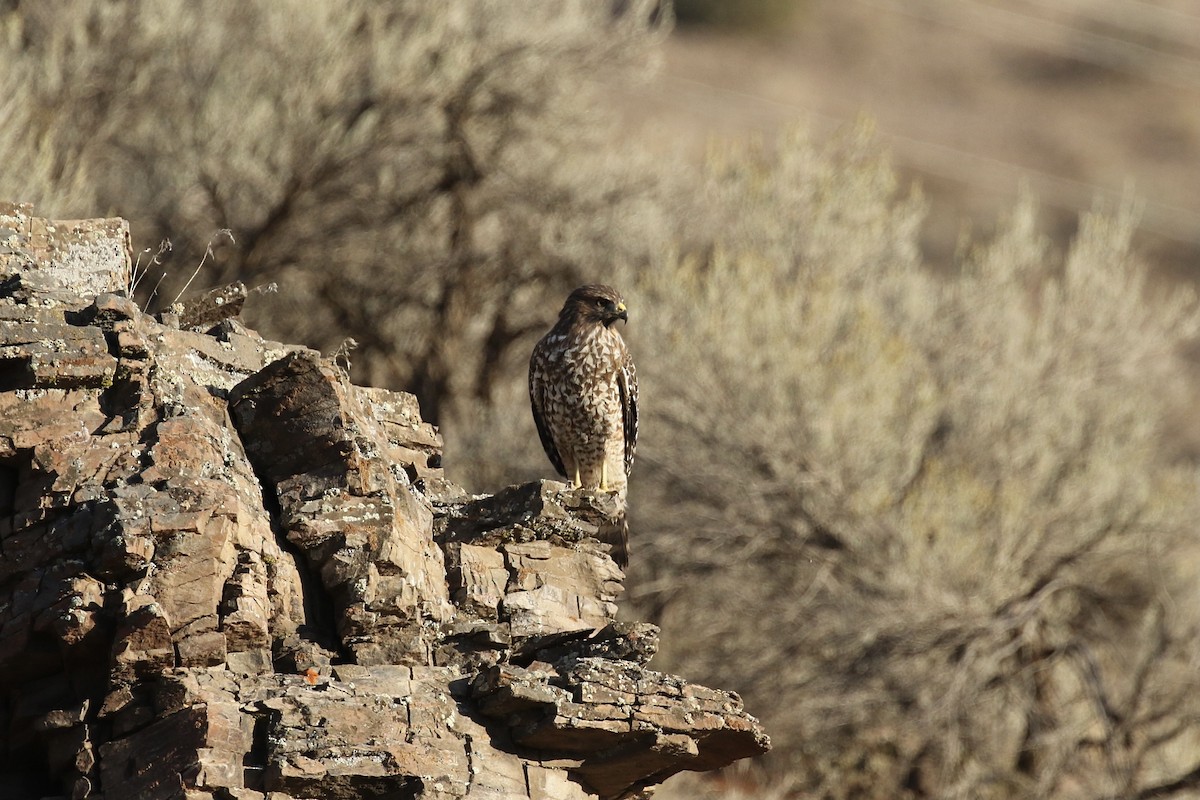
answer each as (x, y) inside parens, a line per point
(627, 383)
(537, 400)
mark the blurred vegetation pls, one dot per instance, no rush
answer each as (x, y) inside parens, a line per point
(925, 524)
(763, 16)
(418, 178)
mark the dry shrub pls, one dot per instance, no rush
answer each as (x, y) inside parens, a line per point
(758, 16)
(418, 176)
(924, 525)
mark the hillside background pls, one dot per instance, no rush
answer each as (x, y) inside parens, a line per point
(912, 301)
(1077, 99)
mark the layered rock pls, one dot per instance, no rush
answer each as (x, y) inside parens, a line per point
(227, 572)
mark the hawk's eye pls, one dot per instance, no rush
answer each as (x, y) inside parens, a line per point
(601, 302)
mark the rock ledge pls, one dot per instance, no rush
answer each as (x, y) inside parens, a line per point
(227, 572)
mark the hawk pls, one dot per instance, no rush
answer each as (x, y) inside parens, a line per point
(583, 388)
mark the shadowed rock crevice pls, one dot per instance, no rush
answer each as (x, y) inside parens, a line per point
(316, 637)
(227, 572)
(319, 442)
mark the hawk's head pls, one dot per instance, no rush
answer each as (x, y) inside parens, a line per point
(595, 303)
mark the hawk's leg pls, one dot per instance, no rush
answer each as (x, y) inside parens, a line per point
(577, 483)
(604, 475)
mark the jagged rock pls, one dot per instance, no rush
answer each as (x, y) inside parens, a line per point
(319, 441)
(629, 726)
(54, 262)
(213, 306)
(544, 511)
(227, 572)
(53, 356)
(620, 641)
(198, 746)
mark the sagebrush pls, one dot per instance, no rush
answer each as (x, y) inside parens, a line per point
(926, 524)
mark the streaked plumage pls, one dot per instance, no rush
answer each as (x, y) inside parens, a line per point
(583, 389)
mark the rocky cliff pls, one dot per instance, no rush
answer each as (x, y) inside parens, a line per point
(227, 572)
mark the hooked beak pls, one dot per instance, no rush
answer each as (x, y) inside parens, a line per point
(622, 313)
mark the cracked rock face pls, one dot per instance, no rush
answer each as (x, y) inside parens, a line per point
(227, 572)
